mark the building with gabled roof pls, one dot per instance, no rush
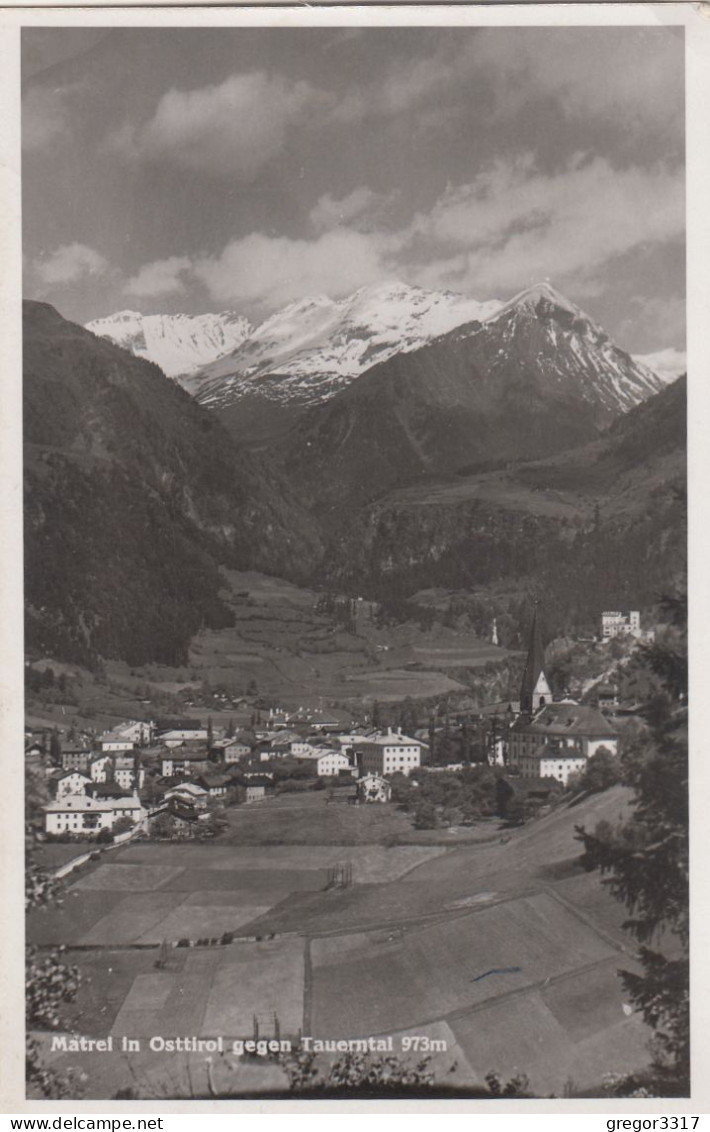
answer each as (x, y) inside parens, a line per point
(65, 782)
(389, 752)
(559, 732)
(78, 813)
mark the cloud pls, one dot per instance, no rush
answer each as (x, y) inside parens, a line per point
(160, 278)
(70, 263)
(363, 205)
(272, 271)
(510, 226)
(630, 79)
(514, 224)
(44, 118)
(232, 129)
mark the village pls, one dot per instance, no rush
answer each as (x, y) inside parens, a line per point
(174, 778)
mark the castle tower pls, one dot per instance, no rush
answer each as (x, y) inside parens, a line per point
(534, 688)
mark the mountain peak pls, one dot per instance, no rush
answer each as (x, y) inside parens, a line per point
(543, 290)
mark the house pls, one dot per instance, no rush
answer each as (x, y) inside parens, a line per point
(129, 807)
(78, 813)
(618, 624)
(177, 736)
(100, 768)
(68, 782)
(112, 743)
(128, 772)
(137, 730)
(234, 750)
(216, 785)
(316, 721)
(188, 792)
(390, 752)
(373, 788)
(255, 791)
(327, 763)
(76, 758)
(563, 734)
(605, 696)
(184, 761)
(558, 762)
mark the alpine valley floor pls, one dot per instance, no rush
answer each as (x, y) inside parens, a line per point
(504, 955)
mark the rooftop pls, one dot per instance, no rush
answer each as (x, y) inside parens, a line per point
(79, 803)
(567, 719)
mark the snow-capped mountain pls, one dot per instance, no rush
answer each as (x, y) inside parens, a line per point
(536, 377)
(540, 329)
(178, 343)
(668, 364)
(312, 349)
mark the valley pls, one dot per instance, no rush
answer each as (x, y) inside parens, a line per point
(317, 568)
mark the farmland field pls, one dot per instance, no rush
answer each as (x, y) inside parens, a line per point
(508, 952)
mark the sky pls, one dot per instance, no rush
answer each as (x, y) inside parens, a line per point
(193, 169)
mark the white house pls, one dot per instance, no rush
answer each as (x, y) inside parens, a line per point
(114, 744)
(184, 762)
(126, 774)
(100, 767)
(234, 750)
(77, 813)
(618, 624)
(373, 788)
(70, 782)
(176, 737)
(552, 762)
(390, 752)
(136, 730)
(127, 808)
(328, 763)
(564, 735)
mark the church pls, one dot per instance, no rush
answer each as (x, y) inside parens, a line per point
(552, 739)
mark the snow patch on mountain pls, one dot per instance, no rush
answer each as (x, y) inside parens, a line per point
(178, 343)
(313, 348)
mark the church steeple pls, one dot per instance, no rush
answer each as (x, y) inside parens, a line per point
(534, 688)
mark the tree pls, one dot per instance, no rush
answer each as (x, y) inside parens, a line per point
(55, 747)
(602, 771)
(163, 825)
(230, 732)
(210, 732)
(123, 824)
(645, 863)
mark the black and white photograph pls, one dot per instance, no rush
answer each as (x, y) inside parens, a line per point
(355, 557)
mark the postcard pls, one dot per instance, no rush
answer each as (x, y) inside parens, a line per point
(347, 422)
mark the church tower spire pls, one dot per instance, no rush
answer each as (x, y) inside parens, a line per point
(534, 688)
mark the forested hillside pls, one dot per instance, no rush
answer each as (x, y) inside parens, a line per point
(133, 495)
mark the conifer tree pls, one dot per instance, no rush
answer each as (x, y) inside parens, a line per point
(645, 862)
